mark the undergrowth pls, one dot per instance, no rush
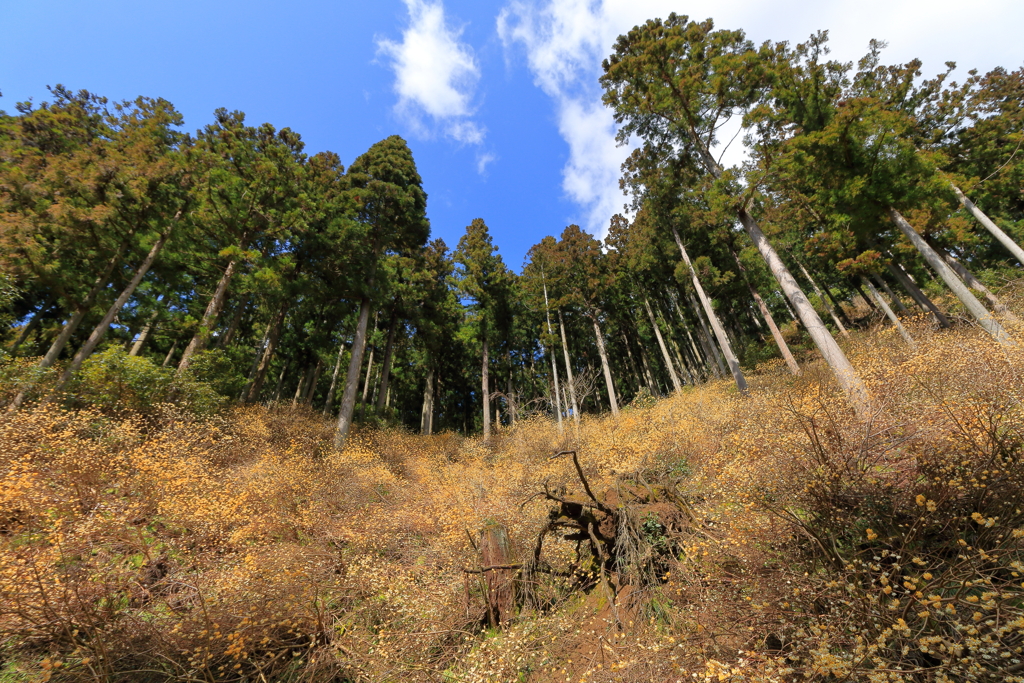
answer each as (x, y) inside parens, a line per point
(241, 546)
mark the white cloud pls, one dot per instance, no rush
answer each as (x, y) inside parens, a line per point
(435, 74)
(483, 160)
(565, 41)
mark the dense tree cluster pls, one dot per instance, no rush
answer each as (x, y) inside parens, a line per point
(236, 259)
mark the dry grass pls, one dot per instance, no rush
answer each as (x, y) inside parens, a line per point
(245, 548)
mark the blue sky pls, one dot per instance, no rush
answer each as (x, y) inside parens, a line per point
(498, 100)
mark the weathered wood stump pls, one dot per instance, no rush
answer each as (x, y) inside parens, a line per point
(498, 573)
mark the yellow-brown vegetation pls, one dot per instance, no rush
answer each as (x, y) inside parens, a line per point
(243, 547)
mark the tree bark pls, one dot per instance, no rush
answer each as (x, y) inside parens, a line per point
(311, 389)
(170, 354)
(648, 375)
(880, 301)
(32, 326)
(716, 324)
(144, 335)
(101, 329)
(824, 301)
(236, 320)
(385, 374)
(926, 304)
(80, 312)
(974, 283)
(426, 414)
(850, 382)
(485, 389)
(780, 342)
(892, 295)
(334, 379)
(632, 363)
(994, 229)
(304, 379)
(612, 401)
(348, 399)
(210, 315)
(276, 325)
(699, 360)
(568, 370)
(676, 384)
(970, 302)
(554, 358)
(710, 349)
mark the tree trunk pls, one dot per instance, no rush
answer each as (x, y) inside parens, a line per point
(385, 374)
(700, 361)
(1003, 238)
(280, 382)
(970, 302)
(170, 354)
(31, 327)
(80, 312)
(101, 329)
(554, 359)
(632, 363)
(210, 315)
(276, 325)
(311, 389)
(676, 384)
(648, 375)
(824, 301)
(710, 350)
(236, 320)
(716, 324)
(348, 399)
(612, 401)
(974, 283)
(334, 379)
(304, 379)
(851, 383)
(144, 335)
(917, 295)
(428, 402)
(568, 370)
(888, 311)
(780, 342)
(485, 389)
(892, 295)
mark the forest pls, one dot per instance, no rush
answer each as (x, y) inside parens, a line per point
(252, 410)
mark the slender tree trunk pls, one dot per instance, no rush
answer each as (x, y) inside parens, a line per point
(710, 350)
(485, 388)
(280, 382)
(974, 283)
(601, 351)
(648, 375)
(716, 324)
(144, 335)
(554, 359)
(348, 399)
(880, 301)
(824, 301)
(101, 329)
(385, 374)
(301, 386)
(970, 302)
(926, 304)
(700, 361)
(1001, 236)
(80, 312)
(334, 379)
(428, 402)
(170, 354)
(276, 326)
(210, 316)
(780, 342)
(892, 295)
(311, 389)
(676, 384)
(32, 326)
(851, 383)
(632, 363)
(236, 320)
(568, 370)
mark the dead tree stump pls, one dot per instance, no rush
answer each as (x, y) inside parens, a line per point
(498, 573)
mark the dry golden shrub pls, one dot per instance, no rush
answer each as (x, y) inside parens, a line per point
(244, 547)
